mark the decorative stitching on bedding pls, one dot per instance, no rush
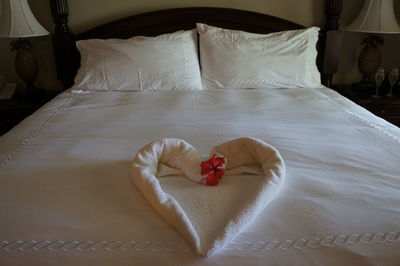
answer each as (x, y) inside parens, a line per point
(160, 39)
(235, 82)
(232, 36)
(185, 59)
(365, 120)
(326, 241)
(7, 157)
(150, 77)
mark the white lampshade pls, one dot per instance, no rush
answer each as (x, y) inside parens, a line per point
(376, 16)
(17, 20)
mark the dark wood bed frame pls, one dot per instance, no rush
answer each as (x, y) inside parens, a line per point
(170, 20)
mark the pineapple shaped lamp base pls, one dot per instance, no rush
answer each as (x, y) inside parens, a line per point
(369, 59)
(25, 63)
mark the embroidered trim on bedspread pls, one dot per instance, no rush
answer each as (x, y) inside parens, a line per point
(326, 241)
(339, 105)
(10, 155)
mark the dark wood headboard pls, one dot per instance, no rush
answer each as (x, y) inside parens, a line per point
(170, 20)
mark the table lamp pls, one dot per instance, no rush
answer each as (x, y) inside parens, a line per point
(17, 21)
(376, 16)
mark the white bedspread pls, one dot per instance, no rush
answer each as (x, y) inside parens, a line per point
(67, 198)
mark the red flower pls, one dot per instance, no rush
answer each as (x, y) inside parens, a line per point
(214, 169)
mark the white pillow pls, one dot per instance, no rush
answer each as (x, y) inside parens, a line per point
(237, 59)
(165, 62)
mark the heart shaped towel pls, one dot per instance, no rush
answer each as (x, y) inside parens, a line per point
(208, 217)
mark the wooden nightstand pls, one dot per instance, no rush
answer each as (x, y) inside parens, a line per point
(385, 107)
(14, 110)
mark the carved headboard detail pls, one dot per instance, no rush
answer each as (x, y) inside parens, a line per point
(169, 20)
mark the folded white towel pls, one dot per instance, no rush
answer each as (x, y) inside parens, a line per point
(208, 217)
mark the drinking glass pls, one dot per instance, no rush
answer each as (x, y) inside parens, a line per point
(379, 77)
(393, 77)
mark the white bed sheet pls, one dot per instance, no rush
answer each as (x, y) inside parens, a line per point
(66, 195)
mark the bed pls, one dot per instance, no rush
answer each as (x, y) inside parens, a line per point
(67, 195)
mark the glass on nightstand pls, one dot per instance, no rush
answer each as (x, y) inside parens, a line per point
(393, 77)
(379, 78)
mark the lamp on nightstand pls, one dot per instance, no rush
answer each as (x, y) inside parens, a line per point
(17, 21)
(376, 16)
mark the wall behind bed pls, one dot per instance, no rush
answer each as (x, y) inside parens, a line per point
(88, 13)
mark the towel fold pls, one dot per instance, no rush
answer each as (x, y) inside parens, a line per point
(208, 217)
